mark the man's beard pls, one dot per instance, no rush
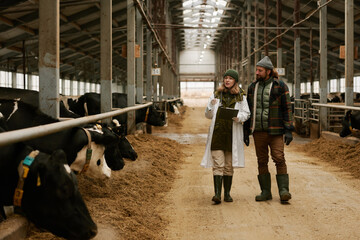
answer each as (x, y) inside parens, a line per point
(258, 78)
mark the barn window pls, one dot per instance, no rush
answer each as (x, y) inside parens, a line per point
(316, 86)
(333, 85)
(5, 79)
(342, 84)
(357, 84)
(302, 88)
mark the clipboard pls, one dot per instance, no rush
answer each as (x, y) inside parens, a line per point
(227, 113)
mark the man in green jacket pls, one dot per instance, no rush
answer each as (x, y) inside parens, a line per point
(271, 119)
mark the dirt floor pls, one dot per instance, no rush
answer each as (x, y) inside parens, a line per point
(165, 194)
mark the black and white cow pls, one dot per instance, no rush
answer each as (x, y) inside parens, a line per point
(113, 155)
(51, 198)
(73, 141)
(32, 97)
(89, 104)
(351, 121)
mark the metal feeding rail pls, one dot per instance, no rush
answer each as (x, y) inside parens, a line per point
(39, 131)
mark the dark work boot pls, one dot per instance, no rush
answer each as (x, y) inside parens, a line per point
(217, 186)
(265, 185)
(227, 188)
(283, 185)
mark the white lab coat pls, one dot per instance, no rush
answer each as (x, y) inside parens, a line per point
(238, 159)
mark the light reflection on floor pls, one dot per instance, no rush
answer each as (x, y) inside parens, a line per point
(184, 138)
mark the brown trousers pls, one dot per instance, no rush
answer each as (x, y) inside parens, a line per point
(262, 142)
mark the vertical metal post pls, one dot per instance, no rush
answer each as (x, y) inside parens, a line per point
(130, 64)
(156, 57)
(49, 48)
(248, 43)
(323, 66)
(140, 60)
(24, 62)
(297, 51)
(256, 36)
(349, 52)
(311, 65)
(13, 80)
(149, 64)
(266, 24)
(106, 56)
(243, 48)
(279, 39)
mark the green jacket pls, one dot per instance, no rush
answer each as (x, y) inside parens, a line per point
(279, 116)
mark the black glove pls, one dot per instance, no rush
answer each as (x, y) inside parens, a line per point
(288, 137)
(246, 138)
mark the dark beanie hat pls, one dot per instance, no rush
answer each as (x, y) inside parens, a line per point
(265, 63)
(232, 73)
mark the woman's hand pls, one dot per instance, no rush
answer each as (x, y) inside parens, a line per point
(236, 119)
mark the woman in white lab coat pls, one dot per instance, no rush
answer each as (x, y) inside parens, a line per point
(225, 146)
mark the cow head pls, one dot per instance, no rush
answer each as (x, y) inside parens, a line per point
(52, 199)
(347, 124)
(123, 146)
(126, 149)
(153, 117)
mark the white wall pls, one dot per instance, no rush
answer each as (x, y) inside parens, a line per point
(190, 61)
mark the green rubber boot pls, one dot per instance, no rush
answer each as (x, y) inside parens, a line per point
(227, 188)
(217, 186)
(283, 185)
(265, 185)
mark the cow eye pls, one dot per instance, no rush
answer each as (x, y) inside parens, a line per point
(98, 162)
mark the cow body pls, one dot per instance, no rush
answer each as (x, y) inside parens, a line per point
(89, 104)
(73, 141)
(351, 121)
(32, 98)
(51, 199)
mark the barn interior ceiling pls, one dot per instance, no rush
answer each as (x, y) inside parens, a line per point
(208, 24)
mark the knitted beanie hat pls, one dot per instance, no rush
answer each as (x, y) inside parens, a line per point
(265, 63)
(232, 73)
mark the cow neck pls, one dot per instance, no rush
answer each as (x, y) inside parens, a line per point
(147, 114)
(88, 151)
(23, 169)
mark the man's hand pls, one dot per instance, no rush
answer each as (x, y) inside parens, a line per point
(246, 138)
(213, 102)
(288, 137)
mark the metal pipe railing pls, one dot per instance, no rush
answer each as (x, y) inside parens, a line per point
(39, 131)
(336, 106)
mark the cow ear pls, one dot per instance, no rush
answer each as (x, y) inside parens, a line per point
(59, 156)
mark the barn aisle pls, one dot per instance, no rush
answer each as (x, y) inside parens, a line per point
(325, 203)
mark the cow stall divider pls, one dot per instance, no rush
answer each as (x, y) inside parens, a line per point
(15, 136)
(306, 117)
(335, 115)
(162, 105)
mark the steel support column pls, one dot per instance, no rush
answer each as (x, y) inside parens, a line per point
(323, 65)
(248, 43)
(140, 60)
(256, 35)
(349, 52)
(49, 48)
(106, 56)
(279, 39)
(130, 64)
(297, 59)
